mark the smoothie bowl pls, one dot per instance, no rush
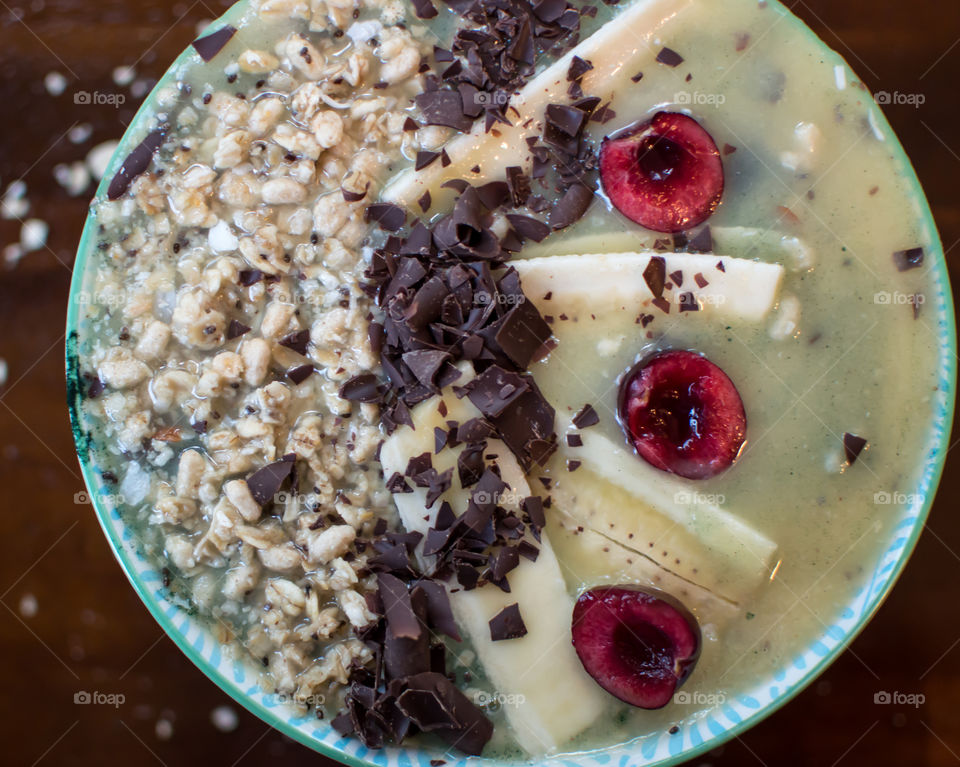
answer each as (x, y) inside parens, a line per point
(531, 381)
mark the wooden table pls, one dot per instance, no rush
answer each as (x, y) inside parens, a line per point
(70, 621)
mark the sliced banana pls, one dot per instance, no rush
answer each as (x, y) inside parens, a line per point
(617, 51)
(547, 714)
(743, 289)
(766, 245)
(729, 557)
(589, 559)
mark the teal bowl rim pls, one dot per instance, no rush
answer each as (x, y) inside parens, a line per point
(876, 592)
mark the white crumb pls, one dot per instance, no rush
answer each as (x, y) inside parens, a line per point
(80, 132)
(99, 158)
(224, 718)
(221, 238)
(14, 203)
(124, 75)
(12, 255)
(33, 234)
(164, 729)
(74, 178)
(28, 605)
(55, 83)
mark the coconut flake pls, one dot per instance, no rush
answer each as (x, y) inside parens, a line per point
(221, 238)
(55, 83)
(99, 157)
(33, 234)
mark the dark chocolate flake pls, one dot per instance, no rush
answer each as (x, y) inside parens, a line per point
(266, 482)
(586, 417)
(300, 374)
(297, 342)
(570, 208)
(852, 447)
(236, 329)
(507, 624)
(210, 45)
(388, 216)
(908, 259)
(136, 163)
(365, 387)
(655, 275)
(424, 158)
(669, 57)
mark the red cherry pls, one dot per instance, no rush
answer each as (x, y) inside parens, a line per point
(664, 174)
(638, 644)
(683, 414)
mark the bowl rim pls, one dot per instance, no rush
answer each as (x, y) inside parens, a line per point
(937, 449)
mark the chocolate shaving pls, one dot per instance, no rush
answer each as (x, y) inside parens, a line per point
(701, 242)
(266, 482)
(507, 624)
(571, 207)
(655, 275)
(365, 387)
(669, 57)
(852, 447)
(300, 374)
(587, 416)
(210, 45)
(908, 259)
(578, 68)
(528, 227)
(236, 329)
(388, 216)
(136, 163)
(297, 342)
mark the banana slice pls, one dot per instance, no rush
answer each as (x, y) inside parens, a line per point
(766, 245)
(617, 51)
(744, 290)
(589, 559)
(528, 668)
(716, 549)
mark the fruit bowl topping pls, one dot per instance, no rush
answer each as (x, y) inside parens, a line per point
(683, 414)
(664, 174)
(638, 644)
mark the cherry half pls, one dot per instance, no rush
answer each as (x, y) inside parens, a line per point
(664, 174)
(638, 644)
(682, 414)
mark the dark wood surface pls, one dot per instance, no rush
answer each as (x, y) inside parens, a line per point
(89, 631)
